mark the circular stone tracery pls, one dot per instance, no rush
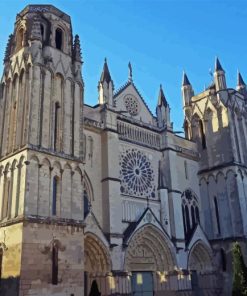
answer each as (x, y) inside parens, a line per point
(136, 174)
(131, 105)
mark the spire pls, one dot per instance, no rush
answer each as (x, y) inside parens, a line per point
(162, 99)
(185, 80)
(240, 80)
(130, 72)
(218, 66)
(77, 49)
(105, 75)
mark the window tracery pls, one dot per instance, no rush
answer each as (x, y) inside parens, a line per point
(136, 174)
(131, 105)
(190, 211)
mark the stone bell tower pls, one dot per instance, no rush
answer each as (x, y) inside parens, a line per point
(41, 191)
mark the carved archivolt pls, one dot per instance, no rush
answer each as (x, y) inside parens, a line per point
(97, 258)
(200, 258)
(149, 250)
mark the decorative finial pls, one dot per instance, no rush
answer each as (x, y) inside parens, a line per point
(218, 66)
(130, 72)
(240, 80)
(105, 75)
(185, 80)
(77, 49)
(161, 98)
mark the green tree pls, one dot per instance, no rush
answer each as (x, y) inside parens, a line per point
(239, 272)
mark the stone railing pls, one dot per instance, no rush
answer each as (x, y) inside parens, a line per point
(186, 151)
(138, 135)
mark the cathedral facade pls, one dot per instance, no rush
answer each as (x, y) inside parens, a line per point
(108, 199)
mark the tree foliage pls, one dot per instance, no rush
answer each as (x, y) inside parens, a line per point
(239, 272)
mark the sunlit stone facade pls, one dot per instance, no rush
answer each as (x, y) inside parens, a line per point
(109, 197)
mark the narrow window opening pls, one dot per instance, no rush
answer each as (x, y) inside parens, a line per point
(59, 38)
(193, 217)
(56, 126)
(217, 215)
(54, 265)
(187, 217)
(203, 138)
(42, 30)
(186, 130)
(197, 216)
(6, 197)
(55, 196)
(86, 204)
(85, 283)
(223, 259)
(19, 39)
(184, 222)
(186, 170)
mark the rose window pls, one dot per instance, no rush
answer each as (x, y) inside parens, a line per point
(136, 174)
(131, 105)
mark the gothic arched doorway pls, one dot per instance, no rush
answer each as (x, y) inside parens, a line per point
(149, 254)
(200, 258)
(200, 264)
(97, 265)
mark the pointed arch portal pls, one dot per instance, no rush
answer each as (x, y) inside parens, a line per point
(200, 258)
(149, 250)
(149, 255)
(97, 265)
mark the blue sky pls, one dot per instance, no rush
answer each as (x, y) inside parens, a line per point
(161, 38)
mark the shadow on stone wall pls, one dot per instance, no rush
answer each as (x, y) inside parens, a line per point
(9, 286)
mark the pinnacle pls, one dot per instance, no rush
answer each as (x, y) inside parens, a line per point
(240, 80)
(105, 75)
(218, 66)
(162, 99)
(185, 80)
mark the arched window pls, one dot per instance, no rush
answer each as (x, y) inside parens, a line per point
(55, 196)
(59, 38)
(56, 126)
(6, 197)
(223, 259)
(203, 138)
(86, 203)
(54, 265)
(217, 214)
(190, 211)
(186, 170)
(19, 38)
